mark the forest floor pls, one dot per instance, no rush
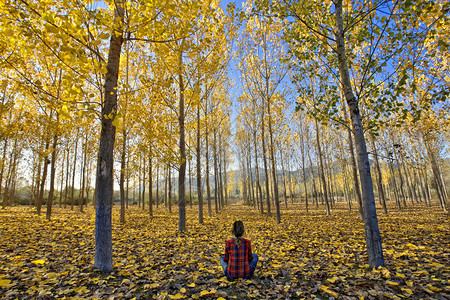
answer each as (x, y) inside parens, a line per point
(311, 256)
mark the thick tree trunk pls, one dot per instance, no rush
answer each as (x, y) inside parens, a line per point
(105, 162)
(373, 237)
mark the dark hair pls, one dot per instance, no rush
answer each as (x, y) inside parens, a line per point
(238, 231)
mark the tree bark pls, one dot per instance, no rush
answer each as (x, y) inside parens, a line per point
(182, 170)
(122, 176)
(258, 185)
(373, 237)
(199, 169)
(52, 178)
(266, 172)
(322, 173)
(105, 162)
(150, 185)
(379, 178)
(43, 179)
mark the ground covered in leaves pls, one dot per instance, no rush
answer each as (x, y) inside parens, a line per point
(306, 256)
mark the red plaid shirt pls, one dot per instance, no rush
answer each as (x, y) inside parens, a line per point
(238, 258)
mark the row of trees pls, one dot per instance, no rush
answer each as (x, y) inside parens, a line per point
(358, 68)
(68, 106)
(138, 91)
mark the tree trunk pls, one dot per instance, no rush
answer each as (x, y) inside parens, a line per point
(143, 182)
(373, 237)
(83, 173)
(266, 172)
(2, 166)
(284, 178)
(190, 183)
(52, 178)
(105, 163)
(322, 173)
(208, 188)
(216, 183)
(258, 185)
(157, 185)
(302, 149)
(44, 177)
(61, 181)
(440, 191)
(199, 169)
(74, 170)
(150, 185)
(379, 177)
(354, 171)
(182, 170)
(122, 176)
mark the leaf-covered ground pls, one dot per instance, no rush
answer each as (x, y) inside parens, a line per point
(306, 256)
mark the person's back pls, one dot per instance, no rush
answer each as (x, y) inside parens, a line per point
(238, 261)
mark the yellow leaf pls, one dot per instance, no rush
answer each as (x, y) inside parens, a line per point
(433, 288)
(154, 285)
(333, 280)
(183, 290)
(177, 296)
(81, 290)
(328, 291)
(206, 292)
(400, 275)
(191, 285)
(393, 283)
(220, 298)
(407, 290)
(409, 283)
(38, 262)
(4, 282)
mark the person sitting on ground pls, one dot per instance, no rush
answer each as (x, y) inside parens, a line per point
(238, 261)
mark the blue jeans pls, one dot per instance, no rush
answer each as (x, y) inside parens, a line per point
(252, 267)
